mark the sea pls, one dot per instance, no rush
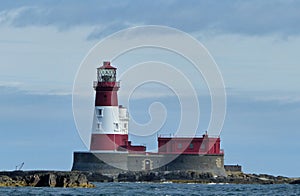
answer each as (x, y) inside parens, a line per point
(159, 189)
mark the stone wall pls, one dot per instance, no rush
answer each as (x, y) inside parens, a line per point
(86, 161)
(233, 168)
(118, 162)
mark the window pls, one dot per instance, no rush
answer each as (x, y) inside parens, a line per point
(125, 125)
(99, 127)
(191, 145)
(179, 146)
(100, 112)
(203, 146)
(117, 126)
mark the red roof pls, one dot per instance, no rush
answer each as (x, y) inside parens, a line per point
(106, 65)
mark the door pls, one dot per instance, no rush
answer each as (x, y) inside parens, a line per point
(147, 164)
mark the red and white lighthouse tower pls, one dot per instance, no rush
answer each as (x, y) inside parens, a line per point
(110, 123)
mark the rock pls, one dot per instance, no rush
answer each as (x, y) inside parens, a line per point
(189, 175)
(127, 177)
(44, 179)
(150, 177)
(61, 181)
(73, 180)
(34, 180)
(5, 181)
(98, 177)
(295, 181)
(8, 181)
(81, 179)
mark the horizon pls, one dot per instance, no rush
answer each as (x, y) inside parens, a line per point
(255, 45)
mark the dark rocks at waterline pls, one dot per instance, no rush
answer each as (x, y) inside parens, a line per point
(98, 177)
(295, 182)
(242, 178)
(163, 176)
(139, 177)
(200, 177)
(44, 179)
(83, 179)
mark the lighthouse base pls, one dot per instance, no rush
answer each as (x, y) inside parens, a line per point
(115, 162)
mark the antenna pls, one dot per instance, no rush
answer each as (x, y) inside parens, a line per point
(19, 167)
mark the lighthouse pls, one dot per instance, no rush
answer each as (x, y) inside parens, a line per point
(110, 123)
(111, 151)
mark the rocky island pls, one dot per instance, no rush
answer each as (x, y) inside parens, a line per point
(74, 179)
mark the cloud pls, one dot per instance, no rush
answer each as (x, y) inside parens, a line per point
(25, 89)
(238, 17)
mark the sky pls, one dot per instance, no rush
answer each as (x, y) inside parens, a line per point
(254, 43)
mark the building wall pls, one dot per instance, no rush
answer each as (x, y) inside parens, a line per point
(123, 119)
(178, 145)
(233, 168)
(106, 120)
(108, 141)
(106, 94)
(85, 161)
(203, 163)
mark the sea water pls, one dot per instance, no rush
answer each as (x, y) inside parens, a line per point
(159, 189)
